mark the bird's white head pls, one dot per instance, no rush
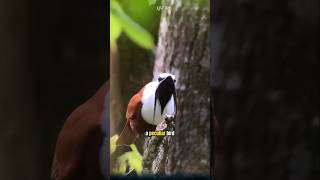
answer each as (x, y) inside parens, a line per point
(163, 76)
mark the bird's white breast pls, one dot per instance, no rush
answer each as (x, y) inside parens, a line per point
(147, 109)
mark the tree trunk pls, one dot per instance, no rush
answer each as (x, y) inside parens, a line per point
(116, 102)
(266, 88)
(183, 50)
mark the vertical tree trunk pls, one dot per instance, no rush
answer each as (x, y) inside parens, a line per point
(116, 101)
(267, 88)
(183, 50)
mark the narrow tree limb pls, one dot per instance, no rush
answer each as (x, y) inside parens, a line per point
(156, 148)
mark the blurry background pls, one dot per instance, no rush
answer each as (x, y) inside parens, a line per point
(53, 57)
(266, 88)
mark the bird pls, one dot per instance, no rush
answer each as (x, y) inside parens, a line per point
(148, 107)
(80, 152)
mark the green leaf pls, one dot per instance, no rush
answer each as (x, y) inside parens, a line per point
(132, 29)
(152, 2)
(115, 25)
(115, 29)
(136, 161)
(113, 145)
(132, 158)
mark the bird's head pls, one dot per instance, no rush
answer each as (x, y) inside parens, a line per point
(166, 89)
(163, 76)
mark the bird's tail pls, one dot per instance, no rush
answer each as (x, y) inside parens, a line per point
(127, 136)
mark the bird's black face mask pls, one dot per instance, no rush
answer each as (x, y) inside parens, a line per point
(164, 92)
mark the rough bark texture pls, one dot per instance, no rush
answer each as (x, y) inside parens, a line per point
(116, 103)
(155, 155)
(183, 50)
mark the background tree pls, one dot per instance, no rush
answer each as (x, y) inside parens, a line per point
(183, 50)
(266, 87)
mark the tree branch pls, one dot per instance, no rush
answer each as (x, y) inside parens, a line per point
(155, 155)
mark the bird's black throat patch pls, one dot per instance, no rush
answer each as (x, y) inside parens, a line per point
(164, 92)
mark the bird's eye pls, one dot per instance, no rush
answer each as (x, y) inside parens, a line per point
(160, 79)
(174, 80)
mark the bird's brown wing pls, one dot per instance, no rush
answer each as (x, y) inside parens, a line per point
(129, 134)
(77, 150)
(135, 124)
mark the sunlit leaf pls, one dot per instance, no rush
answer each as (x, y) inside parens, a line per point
(113, 145)
(115, 28)
(115, 25)
(143, 13)
(136, 161)
(152, 2)
(132, 158)
(132, 29)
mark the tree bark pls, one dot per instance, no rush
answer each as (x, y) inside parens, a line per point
(183, 50)
(116, 102)
(266, 88)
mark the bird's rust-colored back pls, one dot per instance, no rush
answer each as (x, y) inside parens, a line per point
(78, 146)
(134, 124)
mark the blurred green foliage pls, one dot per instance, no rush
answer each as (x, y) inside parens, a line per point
(113, 141)
(143, 12)
(132, 158)
(135, 18)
